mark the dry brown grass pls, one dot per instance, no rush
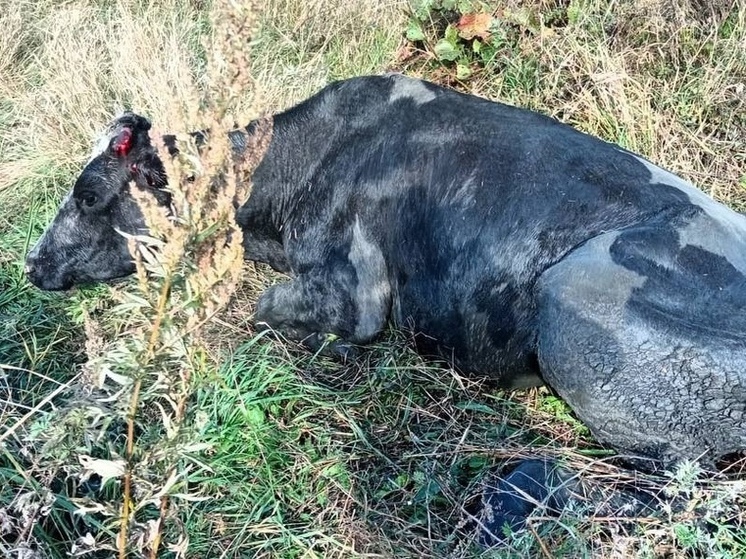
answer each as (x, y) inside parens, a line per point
(309, 44)
(74, 65)
(69, 67)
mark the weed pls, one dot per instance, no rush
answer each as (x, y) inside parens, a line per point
(462, 33)
(138, 376)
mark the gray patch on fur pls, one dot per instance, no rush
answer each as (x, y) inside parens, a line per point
(463, 195)
(407, 88)
(717, 236)
(238, 140)
(64, 226)
(715, 230)
(373, 292)
(718, 211)
(581, 291)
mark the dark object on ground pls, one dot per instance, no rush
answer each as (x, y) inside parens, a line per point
(508, 500)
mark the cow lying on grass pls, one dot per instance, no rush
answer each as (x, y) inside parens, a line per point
(512, 244)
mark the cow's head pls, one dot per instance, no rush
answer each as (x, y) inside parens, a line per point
(84, 244)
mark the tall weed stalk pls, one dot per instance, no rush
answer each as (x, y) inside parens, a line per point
(188, 267)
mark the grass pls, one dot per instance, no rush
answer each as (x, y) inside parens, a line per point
(280, 453)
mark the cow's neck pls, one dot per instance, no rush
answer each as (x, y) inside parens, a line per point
(298, 148)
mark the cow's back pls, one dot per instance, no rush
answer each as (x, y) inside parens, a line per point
(471, 201)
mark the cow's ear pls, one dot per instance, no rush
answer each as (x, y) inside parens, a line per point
(129, 131)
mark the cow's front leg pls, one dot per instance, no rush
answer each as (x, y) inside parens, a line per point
(330, 308)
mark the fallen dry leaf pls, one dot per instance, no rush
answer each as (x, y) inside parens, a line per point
(107, 469)
(474, 25)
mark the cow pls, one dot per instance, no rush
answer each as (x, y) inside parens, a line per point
(512, 245)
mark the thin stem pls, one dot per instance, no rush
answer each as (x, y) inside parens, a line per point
(134, 401)
(161, 520)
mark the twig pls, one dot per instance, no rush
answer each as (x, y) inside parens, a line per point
(164, 500)
(542, 545)
(161, 519)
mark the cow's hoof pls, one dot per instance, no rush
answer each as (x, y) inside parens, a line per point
(332, 346)
(508, 501)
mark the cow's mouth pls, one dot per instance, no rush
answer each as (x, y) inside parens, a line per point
(67, 281)
(46, 283)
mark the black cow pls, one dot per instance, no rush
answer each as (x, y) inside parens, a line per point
(513, 244)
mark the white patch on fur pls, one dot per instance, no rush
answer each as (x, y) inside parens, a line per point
(373, 292)
(100, 146)
(410, 88)
(720, 231)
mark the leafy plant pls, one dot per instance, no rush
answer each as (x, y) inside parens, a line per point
(458, 33)
(129, 446)
(470, 35)
(187, 271)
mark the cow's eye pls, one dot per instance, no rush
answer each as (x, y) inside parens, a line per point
(88, 199)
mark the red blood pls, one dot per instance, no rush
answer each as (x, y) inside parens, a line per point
(123, 142)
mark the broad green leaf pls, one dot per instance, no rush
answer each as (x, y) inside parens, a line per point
(462, 71)
(414, 31)
(445, 50)
(451, 35)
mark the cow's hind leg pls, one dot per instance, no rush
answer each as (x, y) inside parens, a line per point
(645, 340)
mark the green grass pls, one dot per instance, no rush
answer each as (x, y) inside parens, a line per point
(284, 454)
(273, 460)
